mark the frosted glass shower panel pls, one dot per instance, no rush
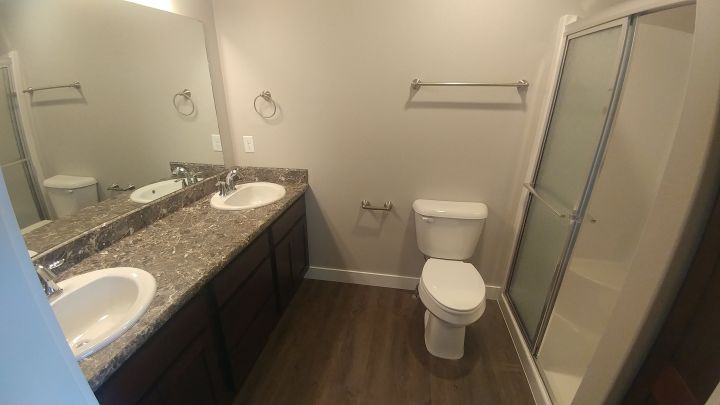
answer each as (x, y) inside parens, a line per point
(581, 107)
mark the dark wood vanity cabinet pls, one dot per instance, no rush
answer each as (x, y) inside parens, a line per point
(289, 235)
(204, 352)
(180, 364)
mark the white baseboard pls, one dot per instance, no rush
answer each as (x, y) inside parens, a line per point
(537, 386)
(378, 279)
(362, 277)
(493, 292)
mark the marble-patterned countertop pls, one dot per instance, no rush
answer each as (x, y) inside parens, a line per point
(183, 251)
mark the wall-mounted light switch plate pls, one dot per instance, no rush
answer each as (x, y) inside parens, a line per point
(216, 143)
(249, 144)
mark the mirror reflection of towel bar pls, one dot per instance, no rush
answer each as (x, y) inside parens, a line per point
(366, 205)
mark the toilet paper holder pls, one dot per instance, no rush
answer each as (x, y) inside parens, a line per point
(366, 205)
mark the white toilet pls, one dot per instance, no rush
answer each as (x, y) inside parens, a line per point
(453, 291)
(69, 194)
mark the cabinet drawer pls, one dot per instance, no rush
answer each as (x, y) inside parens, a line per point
(250, 346)
(141, 371)
(227, 282)
(243, 306)
(282, 225)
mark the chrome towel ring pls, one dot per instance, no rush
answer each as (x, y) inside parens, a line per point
(267, 97)
(188, 96)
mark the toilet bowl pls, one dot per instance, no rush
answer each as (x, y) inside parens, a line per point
(454, 297)
(452, 290)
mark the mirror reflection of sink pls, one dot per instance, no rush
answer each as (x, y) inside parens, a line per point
(249, 195)
(95, 308)
(154, 191)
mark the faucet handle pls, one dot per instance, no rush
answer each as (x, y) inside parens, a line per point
(54, 265)
(231, 177)
(44, 272)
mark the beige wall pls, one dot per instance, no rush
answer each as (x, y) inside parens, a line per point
(122, 127)
(340, 72)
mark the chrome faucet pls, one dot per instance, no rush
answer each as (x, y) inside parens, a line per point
(188, 177)
(228, 186)
(223, 188)
(47, 278)
(230, 179)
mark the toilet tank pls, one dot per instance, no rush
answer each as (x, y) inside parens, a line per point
(448, 229)
(68, 194)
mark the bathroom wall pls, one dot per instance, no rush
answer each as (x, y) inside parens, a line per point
(94, 133)
(340, 73)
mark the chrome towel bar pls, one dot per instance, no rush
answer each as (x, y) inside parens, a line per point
(416, 84)
(31, 90)
(365, 204)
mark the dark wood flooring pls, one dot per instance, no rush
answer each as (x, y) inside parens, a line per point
(350, 344)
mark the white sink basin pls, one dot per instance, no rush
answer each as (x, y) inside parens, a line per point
(248, 195)
(154, 191)
(95, 308)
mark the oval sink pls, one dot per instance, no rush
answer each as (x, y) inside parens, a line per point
(95, 308)
(154, 191)
(248, 195)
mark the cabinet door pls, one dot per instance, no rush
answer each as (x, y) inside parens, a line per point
(283, 271)
(138, 378)
(291, 261)
(243, 357)
(299, 251)
(195, 377)
(240, 310)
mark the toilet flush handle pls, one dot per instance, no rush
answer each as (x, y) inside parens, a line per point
(427, 219)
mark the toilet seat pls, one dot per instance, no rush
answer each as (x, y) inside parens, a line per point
(455, 285)
(452, 290)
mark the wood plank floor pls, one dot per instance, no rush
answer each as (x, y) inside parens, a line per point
(350, 344)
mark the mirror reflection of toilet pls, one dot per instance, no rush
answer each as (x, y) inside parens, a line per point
(69, 194)
(452, 290)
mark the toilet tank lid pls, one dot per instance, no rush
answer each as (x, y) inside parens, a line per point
(69, 182)
(451, 209)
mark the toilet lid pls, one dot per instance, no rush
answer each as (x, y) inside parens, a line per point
(454, 284)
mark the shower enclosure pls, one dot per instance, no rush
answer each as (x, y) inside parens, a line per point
(616, 104)
(17, 169)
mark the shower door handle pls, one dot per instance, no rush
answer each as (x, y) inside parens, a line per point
(555, 211)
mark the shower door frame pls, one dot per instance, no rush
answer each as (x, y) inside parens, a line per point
(627, 26)
(6, 63)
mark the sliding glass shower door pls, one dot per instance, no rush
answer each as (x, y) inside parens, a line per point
(571, 153)
(14, 161)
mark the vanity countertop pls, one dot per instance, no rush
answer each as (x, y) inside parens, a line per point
(183, 251)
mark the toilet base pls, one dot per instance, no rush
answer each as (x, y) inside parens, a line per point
(443, 339)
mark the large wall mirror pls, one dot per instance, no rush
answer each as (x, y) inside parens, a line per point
(97, 99)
